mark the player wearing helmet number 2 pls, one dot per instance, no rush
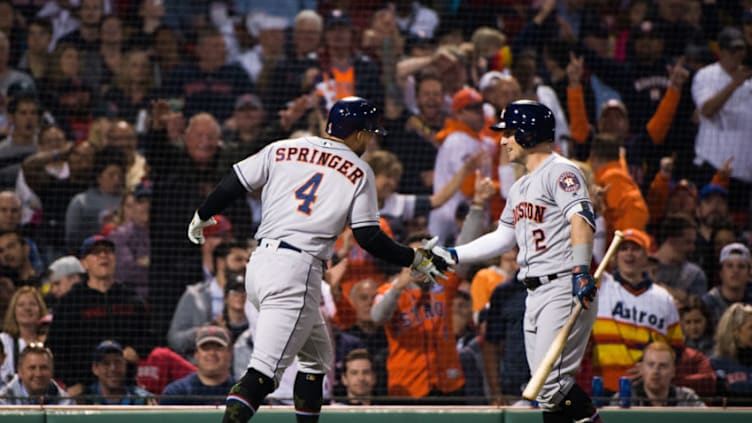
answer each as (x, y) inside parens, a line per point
(549, 216)
(312, 188)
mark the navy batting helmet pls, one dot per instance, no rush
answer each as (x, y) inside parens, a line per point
(532, 121)
(352, 114)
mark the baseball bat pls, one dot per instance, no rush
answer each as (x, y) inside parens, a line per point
(540, 375)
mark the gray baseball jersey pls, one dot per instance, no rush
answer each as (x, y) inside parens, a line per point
(334, 187)
(539, 207)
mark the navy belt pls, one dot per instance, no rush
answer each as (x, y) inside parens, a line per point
(285, 245)
(532, 283)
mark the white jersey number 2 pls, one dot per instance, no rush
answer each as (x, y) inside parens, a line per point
(307, 193)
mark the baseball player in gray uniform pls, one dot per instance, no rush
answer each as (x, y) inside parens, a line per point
(549, 215)
(311, 188)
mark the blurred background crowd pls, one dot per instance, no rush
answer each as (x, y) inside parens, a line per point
(117, 117)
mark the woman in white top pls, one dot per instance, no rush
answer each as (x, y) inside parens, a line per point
(20, 327)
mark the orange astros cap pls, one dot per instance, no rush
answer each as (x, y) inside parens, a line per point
(465, 97)
(638, 237)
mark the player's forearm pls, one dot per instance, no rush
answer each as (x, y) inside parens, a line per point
(582, 241)
(488, 246)
(383, 310)
(379, 245)
(222, 196)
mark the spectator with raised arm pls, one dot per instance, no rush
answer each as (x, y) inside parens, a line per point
(722, 92)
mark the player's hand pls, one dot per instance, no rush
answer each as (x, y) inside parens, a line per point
(196, 228)
(427, 263)
(583, 286)
(448, 254)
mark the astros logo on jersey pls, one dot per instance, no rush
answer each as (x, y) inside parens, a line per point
(569, 182)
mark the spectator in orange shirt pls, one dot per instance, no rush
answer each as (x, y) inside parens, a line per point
(423, 360)
(625, 207)
(487, 279)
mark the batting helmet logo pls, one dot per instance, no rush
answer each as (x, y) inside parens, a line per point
(533, 122)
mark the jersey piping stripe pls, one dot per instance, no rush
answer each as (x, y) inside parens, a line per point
(240, 176)
(300, 313)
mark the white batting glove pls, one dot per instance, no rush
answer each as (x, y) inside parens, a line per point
(196, 228)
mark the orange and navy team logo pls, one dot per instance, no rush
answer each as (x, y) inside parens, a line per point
(569, 182)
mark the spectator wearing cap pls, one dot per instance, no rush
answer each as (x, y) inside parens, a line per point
(245, 125)
(295, 74)
(624, 205)
(345, 72)
(62, 274)
(34, 385)
(8, 75)
(112, 386)
(735, 286)
(460, 139)
(676, 244)
(212, 380)
(209, 80)
(204, 302)
(85, 212)
(632, 310)
(94, 311)
(131, 239)
(57, 172)
(710, 212)
(722, 93)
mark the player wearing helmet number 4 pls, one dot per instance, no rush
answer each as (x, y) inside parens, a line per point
(312, 188)
(549, 215)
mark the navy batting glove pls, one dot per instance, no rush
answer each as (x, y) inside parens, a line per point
(583, 286)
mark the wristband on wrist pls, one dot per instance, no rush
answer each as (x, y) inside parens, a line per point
(582, 254)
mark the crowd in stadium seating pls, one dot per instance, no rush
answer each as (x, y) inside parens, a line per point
(117, 117)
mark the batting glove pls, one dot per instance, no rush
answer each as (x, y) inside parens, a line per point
(448, 254)
(583, 286)
(196, 228)
(426, 263)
